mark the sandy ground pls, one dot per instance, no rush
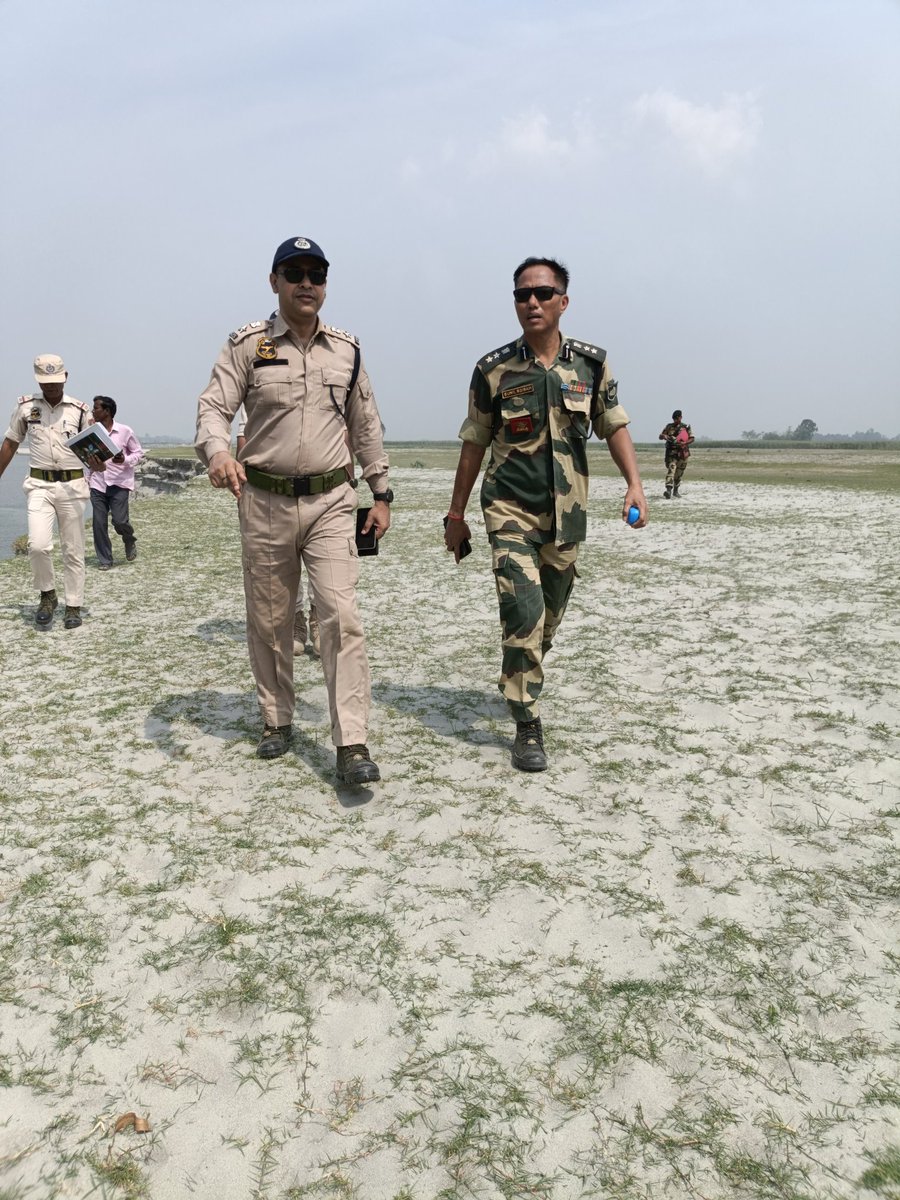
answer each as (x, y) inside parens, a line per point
(668, 967)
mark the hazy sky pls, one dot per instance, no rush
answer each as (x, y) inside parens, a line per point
(722, 179)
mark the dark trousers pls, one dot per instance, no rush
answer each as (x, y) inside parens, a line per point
(114, 500)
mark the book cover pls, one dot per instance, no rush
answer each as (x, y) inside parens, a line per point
(93, 439)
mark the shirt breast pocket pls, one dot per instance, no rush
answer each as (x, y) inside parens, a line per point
(272, 386)
(577, 408)
(334, 389)
(520, 418)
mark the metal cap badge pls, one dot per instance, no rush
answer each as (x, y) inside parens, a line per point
(299, 247)
(49, 368)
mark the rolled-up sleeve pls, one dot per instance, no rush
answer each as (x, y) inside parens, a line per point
(610, 414)
(219, 402)
(478, 427)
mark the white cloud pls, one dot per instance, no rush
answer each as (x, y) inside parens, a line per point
(712, 137)
(531, 137)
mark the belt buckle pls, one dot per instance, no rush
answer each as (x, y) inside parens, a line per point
(301, 485)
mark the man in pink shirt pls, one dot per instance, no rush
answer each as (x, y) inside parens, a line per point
(112, 483)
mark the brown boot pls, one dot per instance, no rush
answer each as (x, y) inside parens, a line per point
(355, 766)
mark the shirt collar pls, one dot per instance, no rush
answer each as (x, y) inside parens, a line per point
(522, 344)
(280, 326)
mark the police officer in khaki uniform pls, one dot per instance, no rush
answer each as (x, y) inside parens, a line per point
(308, 398)
(55, 489)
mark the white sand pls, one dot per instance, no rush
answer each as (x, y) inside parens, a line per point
(666, 967)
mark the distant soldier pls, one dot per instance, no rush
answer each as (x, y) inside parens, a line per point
(534, 401)
(678, 438)
(55, 490)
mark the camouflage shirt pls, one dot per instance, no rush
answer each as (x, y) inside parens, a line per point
(676, 450)
(537, 421)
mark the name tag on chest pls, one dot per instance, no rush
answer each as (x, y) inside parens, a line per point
(523, 389)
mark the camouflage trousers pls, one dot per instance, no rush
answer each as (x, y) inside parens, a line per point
(674, 470)
(533, 588)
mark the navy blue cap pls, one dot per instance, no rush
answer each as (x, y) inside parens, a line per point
(297, 248)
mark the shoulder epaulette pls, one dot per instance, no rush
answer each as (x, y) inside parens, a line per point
(342, 333)
(78, 403)
(497, 356)
(27, 399)
(245, 331)
(588, 351)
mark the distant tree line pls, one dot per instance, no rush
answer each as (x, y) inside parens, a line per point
(808, 431)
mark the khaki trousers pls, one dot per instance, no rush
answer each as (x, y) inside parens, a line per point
(278, 533)
(63, 503)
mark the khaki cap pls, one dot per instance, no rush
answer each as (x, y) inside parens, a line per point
(49, 368)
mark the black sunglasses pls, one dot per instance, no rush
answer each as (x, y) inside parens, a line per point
(315, 275)
(543, 294)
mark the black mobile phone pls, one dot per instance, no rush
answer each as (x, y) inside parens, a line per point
(366, 543)
(465, 546)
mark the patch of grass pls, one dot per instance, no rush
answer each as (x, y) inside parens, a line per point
(884, 1174)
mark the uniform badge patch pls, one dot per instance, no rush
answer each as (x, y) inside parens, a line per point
(523, 424)
(35, 415)
(266, 348)
(524, 389)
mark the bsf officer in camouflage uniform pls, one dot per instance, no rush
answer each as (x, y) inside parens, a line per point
(678, 437)
(309, 405)
(534, 402)
(55, 490)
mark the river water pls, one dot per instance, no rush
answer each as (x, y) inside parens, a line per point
(13, 519)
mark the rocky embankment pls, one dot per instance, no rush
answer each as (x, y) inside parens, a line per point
(163, 476)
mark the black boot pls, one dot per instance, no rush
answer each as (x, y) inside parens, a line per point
(667, 494)
(43, 618)
(528, 748)
(72, 619)
(274, 741)
(355, 766)
(677, 493)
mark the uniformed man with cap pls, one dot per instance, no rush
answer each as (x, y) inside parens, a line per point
(309, 407)
(55, 488)
(679, 438)
(534, 401)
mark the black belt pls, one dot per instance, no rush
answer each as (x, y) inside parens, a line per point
(299, 485)
(56, 476)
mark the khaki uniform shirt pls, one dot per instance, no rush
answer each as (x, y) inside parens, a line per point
(536, 421)
(48, 427)
(299, 416)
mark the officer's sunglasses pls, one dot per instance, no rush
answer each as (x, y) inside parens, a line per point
(315, 275)
(541, 294)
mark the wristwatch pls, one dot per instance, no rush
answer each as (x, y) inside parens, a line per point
(387, 497)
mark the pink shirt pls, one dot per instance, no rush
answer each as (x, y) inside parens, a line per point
(118, 474)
